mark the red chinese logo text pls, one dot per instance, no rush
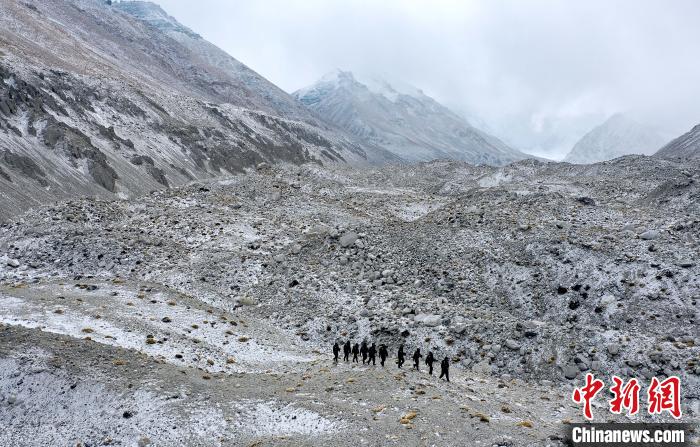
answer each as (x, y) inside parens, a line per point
(661, 396)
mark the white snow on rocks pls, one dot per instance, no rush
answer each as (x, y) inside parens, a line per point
(196, 337)
(275, 419)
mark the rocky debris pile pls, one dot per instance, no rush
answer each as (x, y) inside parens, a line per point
(507, 271)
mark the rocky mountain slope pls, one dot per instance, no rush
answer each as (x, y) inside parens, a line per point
(204, 66)
(683, 147)
(404, 121)
(614, 138)
(212, 307)
(115, 101)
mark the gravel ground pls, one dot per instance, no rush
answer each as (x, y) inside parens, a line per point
(205, 314)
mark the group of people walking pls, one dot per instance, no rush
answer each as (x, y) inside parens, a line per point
(369, 356)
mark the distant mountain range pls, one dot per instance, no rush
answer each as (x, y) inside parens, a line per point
(118, 100)
(402, 120)
(617, 136)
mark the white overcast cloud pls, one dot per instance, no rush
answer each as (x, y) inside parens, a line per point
(537, 73)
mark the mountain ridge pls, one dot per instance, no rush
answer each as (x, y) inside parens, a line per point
(411, 125)
(616, 137)
(685, 146)
(95, 101)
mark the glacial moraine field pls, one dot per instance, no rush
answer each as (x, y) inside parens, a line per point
(205, 314)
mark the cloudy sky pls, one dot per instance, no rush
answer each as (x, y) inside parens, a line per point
(537, 73)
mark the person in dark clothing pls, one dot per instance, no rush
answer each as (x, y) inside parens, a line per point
(445, 369)
(383, 354)
(336, 351)
(400, 357)
(355, 352)
(429, 360)
(363, 351)
(372, 355)
(346, 351)
(416, 359)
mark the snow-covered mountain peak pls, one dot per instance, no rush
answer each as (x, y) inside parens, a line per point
(391, 90)
(401, 119)
(341, 79)
(619, 135)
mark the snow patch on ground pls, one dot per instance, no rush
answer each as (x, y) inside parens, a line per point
(200, 339)
(42, 406)
(414, 211)
(493, 180)
(274, 419)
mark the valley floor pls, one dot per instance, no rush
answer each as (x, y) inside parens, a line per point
(204, 315)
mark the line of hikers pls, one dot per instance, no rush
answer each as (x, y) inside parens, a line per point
(369, 355)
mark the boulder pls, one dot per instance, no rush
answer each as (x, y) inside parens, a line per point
(608, 302)
(613, 348)
(348, 239)
(512, 344)
(428, 319)
(570, 371)
(483, 368)
(650, 235)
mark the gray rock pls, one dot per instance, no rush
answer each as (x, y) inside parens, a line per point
(650, 235)
(348, 239)
(483, 368)
(608, 302)
(428, 319)
(460, 328)
(13, 263)
(633, 363)
(614, 348)
(570, 371)
(512, 344)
